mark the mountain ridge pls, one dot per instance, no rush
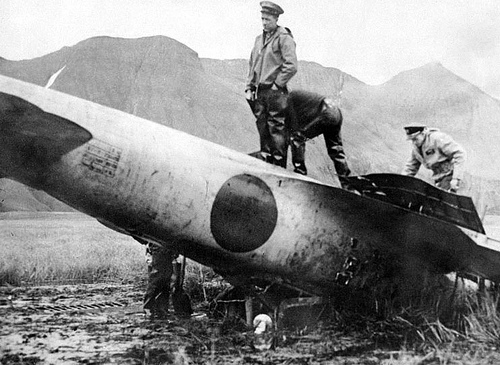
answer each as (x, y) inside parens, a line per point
(160, 79)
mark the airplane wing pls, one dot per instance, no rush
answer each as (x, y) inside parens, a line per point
(412, 194)
(230, 211)
(418, 196)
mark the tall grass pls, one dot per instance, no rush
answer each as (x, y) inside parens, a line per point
(69, 248)
(467, 331)
(483, 319)
(446, 321)
(65, 248)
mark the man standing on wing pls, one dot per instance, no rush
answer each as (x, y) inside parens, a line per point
(273, 62)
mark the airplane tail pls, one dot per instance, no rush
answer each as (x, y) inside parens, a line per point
(32, 137)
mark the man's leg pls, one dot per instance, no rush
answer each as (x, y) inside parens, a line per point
(277, 101)
(259, 110)
(299, 137)
(160, 272)
(336, 152)
(332, 117)
(298, 145)
(180, 299)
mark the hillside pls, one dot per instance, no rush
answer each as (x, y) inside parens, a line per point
(160, 79)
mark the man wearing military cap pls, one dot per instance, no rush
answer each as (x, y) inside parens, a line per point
(273, 62)
(438, 152)
(271, 8)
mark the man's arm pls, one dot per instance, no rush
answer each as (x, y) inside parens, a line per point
(249, 85)
(412, 166)
(457, 154)
(289, 66)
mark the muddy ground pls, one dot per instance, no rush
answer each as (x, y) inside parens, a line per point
(105, 324)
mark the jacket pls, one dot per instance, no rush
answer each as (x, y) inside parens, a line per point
(274, 61)
(439, 153)
(305, 107)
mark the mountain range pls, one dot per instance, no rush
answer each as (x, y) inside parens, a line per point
(161, 79)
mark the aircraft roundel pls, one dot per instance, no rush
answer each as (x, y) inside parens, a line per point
(244, 214)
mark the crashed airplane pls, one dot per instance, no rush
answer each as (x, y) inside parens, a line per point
(254, 223)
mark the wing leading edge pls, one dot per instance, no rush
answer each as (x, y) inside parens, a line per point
(418, 196)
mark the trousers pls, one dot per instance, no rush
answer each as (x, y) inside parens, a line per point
(270, 109)
(160, 270)
(328, 122)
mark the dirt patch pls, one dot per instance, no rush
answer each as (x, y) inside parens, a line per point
(105, 324)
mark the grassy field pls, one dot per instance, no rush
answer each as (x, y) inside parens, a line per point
(67, 248)
(40, 248)
(44, 248)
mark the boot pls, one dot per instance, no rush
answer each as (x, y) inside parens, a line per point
(300, 168)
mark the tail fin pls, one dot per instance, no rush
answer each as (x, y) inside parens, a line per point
(36, 135)
(32, 139)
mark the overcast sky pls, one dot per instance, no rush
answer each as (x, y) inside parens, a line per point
(372, 40)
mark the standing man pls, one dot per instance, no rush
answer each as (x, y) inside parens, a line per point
(438, 152)
(312, 114)
(161, 268)
(273, 62)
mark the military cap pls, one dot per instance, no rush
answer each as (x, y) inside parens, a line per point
(413, 130)
(271, 8)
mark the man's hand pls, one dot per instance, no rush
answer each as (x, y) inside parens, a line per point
(454, 185)
(250, 95)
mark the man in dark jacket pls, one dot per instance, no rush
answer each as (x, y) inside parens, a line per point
(309, 115)
(273, 62)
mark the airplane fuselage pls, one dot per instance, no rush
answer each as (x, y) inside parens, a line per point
(243, 217)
